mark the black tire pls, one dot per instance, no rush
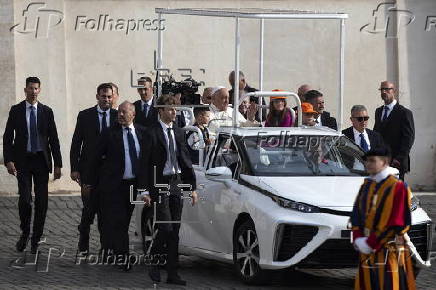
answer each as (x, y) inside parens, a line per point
(246, 255)
(148, 232)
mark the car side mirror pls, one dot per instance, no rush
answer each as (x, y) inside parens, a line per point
(219, 173)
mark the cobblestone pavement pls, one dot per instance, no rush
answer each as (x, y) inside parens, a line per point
(62, 273)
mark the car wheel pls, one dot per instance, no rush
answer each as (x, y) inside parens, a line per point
(246, 254)
(148, 232)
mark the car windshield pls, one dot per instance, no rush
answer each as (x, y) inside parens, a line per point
(303, 155)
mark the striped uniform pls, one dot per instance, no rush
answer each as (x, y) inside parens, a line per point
(382, 213)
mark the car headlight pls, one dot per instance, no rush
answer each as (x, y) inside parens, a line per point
(298, 206)
(415, 203)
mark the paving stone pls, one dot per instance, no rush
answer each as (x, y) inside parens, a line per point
(61, 233)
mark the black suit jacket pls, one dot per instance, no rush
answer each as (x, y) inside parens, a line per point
(15, 147)
(157, 156)
(140, 118)
(86, 136)
(398, 132)
(375, 139)
(106, 169)
(328, 121)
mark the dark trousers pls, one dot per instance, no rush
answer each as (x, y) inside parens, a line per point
(90, 209)
(402, 174)
(168, 209)
(116, 214)
(36, 170)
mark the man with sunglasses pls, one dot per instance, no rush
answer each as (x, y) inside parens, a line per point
(395, 124)
(359, 133)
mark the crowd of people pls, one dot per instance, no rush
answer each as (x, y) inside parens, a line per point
(116, 147)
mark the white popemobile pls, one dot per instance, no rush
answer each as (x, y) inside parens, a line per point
(272, 198)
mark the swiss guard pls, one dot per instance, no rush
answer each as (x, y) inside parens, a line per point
(381, 216)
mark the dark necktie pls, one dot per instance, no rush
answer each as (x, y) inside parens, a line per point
(33, 130)
(132, 151)
(145, 109)
(103, 122)
(385, 113)
(172, 150)
(363, 143)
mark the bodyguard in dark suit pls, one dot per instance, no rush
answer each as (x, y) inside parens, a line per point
(90, 125)
(365, 138)
(146, 113)
(118, 165)
(395, 123)
(316, 98)
(29, 141)
(169, 163)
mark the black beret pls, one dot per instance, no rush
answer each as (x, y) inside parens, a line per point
(382, 151)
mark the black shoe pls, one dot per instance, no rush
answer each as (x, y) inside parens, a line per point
(154, 274)
(22, 243)
(176, 280)
(34, 248)
(83, 243)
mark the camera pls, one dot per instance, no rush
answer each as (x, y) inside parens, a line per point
(187, 88)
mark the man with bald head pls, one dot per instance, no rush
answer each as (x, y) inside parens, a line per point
(220, 110)
(302, 90)
(117, 166)
(395, 123)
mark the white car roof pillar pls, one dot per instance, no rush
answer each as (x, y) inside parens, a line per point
(236, 83)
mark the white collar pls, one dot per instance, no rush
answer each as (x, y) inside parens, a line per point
(101, 111)
(391, 105)
(215, 110)
(381, 175)
(358, 133)
(149, 102)
(165, 126)
(130, 126)
(28, 105)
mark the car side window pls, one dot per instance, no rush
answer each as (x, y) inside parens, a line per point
(226, 154)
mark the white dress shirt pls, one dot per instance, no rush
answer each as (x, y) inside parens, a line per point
(390, 106)
(28, 105)
(128, 172)
(149, 103)
(318, 121)
(357, 138)
(100, 116)
(169, 168)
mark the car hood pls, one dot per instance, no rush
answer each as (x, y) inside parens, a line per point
(322, 191)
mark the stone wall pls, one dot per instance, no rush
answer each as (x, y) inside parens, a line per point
(80, 44)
